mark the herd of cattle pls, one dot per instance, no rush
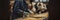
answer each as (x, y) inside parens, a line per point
(37, 8)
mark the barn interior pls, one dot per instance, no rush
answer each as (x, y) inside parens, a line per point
(41, 14)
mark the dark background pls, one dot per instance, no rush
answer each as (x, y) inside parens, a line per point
(53, 8)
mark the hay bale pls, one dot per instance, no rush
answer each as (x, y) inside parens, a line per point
(30, 18)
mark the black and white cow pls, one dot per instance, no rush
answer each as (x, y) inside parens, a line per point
(39, 7)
